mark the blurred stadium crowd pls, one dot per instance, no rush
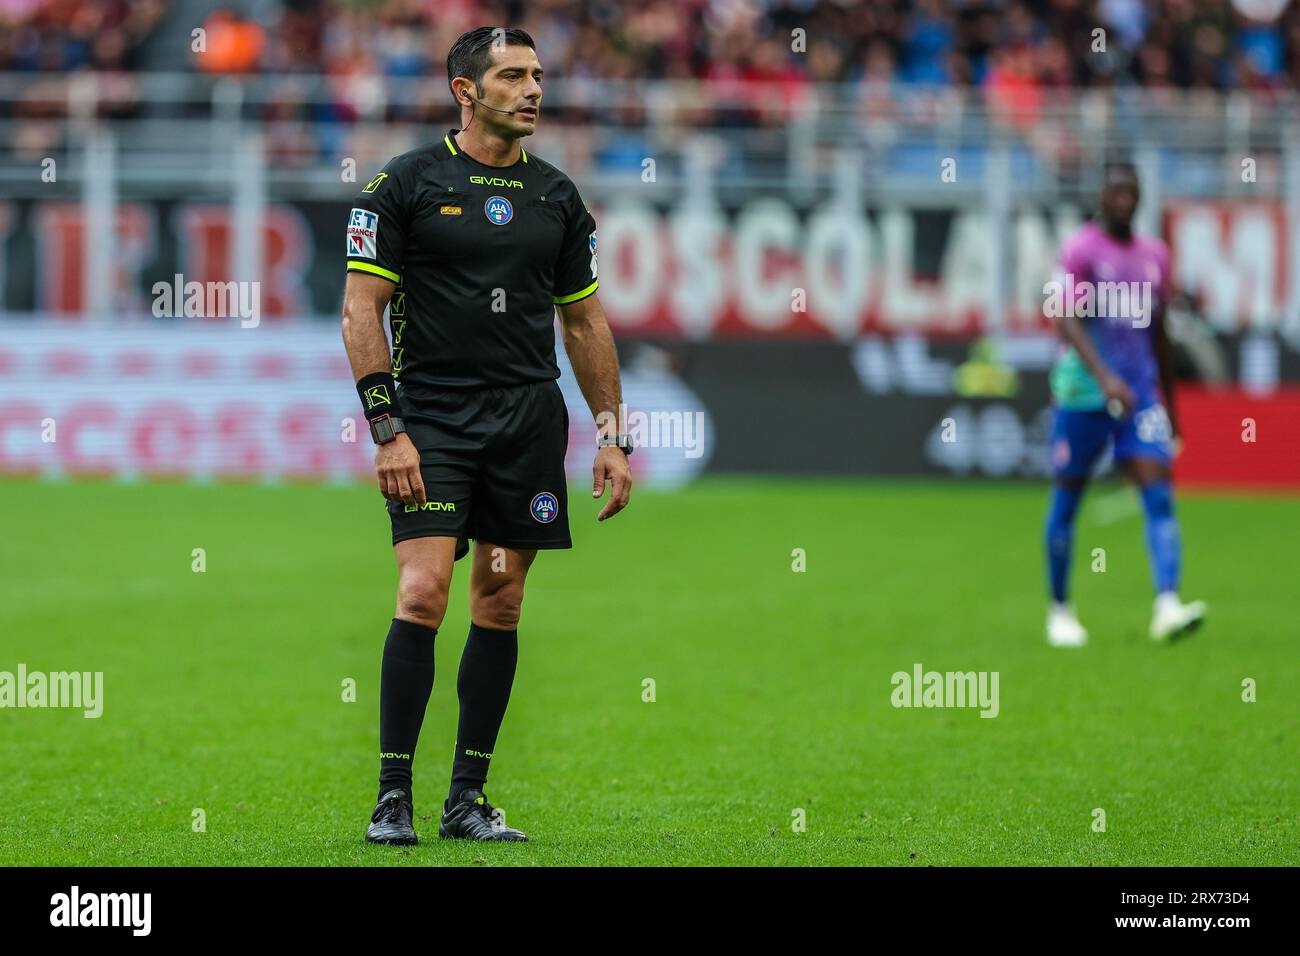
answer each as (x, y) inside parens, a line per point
(320, 68)
(1251, 44)
(63, 35)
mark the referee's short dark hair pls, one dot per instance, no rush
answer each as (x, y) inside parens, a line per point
(471, 54)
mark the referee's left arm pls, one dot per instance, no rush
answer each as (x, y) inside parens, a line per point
(590, 347)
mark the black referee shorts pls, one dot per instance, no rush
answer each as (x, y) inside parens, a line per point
(492, 460)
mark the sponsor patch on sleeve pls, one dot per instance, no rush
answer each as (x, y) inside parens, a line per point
(363, 233)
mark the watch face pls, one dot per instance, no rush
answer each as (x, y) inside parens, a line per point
(622, 442)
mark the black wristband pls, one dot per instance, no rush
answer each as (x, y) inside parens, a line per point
(378, 393)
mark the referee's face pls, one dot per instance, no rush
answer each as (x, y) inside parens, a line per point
(513, 82)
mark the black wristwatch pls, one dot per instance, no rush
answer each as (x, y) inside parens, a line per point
(385, 428)
(622, 442)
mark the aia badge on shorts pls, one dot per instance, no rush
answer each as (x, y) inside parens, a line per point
(545, 507)
(498, 210)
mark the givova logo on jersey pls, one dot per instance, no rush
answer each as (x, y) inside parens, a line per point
(363, 233)
(545, 507)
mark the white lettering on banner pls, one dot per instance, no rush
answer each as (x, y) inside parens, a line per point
(696, 269)
(998, 443)
(766, 228)
(907, 302)
(964, 278)
(698, 295)
(1235, 255)
(837, 262)
(632, 227)
(1036, 254)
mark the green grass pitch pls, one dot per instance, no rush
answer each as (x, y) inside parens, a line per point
(224, 688)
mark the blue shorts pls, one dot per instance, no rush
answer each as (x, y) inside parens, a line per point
(1079, 437)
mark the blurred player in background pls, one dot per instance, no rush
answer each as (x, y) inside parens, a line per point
(1107, 388)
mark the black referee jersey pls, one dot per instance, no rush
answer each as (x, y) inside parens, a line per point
(481, 255)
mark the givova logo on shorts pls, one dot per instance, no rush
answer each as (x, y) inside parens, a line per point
(545, 507)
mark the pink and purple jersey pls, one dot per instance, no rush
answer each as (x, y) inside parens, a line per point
(1113, 287)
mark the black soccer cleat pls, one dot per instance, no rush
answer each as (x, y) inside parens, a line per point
(391, 821)
(473, 818)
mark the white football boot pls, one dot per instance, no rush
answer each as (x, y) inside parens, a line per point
(1063, 627)
(1172, 619)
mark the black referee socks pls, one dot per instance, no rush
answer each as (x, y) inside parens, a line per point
(406, 679)
(487, 672)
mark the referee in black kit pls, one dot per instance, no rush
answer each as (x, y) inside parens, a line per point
(473, 244)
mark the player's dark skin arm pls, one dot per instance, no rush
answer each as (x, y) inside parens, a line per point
(365, 296)
(590, 347)
(1165, 366)
(1111, 384)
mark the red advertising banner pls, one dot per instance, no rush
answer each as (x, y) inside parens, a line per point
(1235, 439)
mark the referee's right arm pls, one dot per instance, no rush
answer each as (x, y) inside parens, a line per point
(378, 224)
(365, 296)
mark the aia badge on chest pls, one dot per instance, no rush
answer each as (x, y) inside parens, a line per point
(498, 210)
(545, 507)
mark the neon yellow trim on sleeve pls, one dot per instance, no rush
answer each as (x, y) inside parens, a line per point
(566, 299)
(377, 270)
(447, 139)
